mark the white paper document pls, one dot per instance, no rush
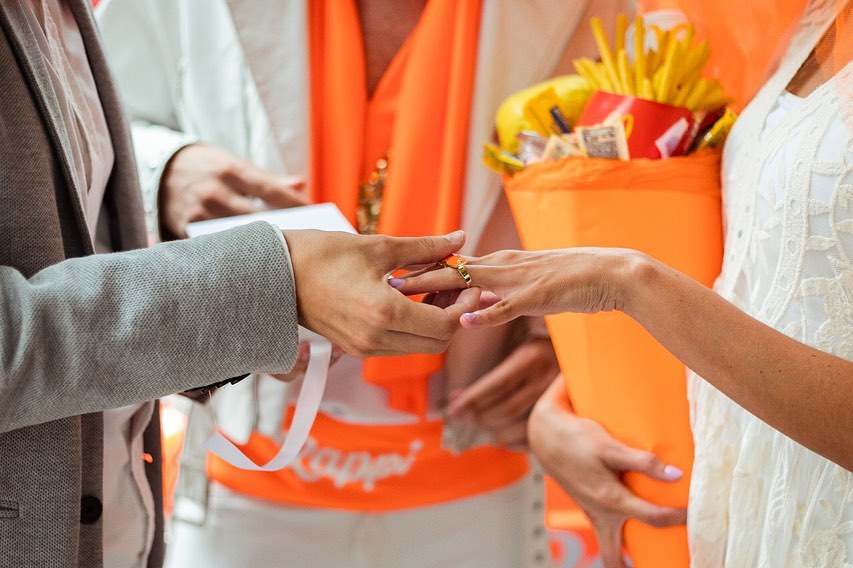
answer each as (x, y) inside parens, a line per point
(324, 217)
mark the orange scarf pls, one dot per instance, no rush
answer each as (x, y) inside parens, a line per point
(418, 115)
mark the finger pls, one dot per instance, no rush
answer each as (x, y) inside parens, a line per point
(406, 251)
(504, 311)
(226, 203)
(466, 300)
(494, 385)
(406, 316)
(487, 300)
(273, 189)
(609, 535)
(395, 343)
(514, 435)
(625, 458)
(651, 514)
(512, 408)
(431, 280)
(442, 299)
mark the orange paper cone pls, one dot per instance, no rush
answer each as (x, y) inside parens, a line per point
(616, 373)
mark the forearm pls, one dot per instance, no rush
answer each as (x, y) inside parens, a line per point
(803, 392)
(109, 330)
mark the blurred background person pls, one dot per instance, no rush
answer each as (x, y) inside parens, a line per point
(379, 107)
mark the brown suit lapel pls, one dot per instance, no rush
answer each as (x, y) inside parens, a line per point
(23, 41)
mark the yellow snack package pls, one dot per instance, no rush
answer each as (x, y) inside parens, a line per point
(502, 162)
(717, 134)
(545, 114)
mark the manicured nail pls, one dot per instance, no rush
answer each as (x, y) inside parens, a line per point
(456, 237)
(672, 473)
(470, 317)
(395, 282)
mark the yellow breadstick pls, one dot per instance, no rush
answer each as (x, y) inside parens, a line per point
(656, 55)
(639, 54)
(625, 76)
(656, 84)
(621, 26)
(583, 70)
(714, 96)
(698, 59)
(668, 69)
(696, 94)
(604, 49)
(647, 92)
(681, 96)
(597, 70)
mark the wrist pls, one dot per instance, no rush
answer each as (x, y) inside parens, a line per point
(637, 274)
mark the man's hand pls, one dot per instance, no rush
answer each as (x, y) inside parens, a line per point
(501, 401)
(343, 294)
(202, 182)
(587, 462)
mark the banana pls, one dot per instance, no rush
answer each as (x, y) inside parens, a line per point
(573, 91)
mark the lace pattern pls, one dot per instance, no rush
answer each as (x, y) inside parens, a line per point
(758, 498)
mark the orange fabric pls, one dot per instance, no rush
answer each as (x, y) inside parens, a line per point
(419, 116)
(746, 38)
(402, 467)
(431, 80)
(616, 373)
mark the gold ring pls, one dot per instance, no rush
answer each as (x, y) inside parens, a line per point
(458, 263)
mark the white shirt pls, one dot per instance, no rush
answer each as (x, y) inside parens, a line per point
(128, 512)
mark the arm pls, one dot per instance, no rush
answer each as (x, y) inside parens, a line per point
(108, 330)
(801, 391)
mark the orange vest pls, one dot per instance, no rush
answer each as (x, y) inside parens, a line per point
(418, 116)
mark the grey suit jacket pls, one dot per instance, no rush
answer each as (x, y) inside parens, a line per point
(80, 333)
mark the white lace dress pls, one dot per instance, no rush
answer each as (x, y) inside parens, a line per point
(759, 499)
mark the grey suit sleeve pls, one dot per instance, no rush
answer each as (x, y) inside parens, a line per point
(109, 330)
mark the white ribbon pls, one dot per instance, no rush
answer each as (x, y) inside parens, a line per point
(307, 406)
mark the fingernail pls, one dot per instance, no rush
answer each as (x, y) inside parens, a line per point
(395, 282)
(672, 473)
(456, 237)
(470, 317)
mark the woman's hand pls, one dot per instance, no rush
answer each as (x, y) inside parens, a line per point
(588, 463)
(584, 280)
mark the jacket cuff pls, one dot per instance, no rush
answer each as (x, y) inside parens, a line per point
(155, 146)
